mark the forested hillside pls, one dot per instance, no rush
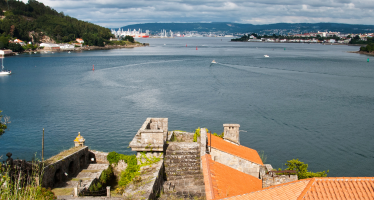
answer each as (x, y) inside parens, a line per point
(21, 19)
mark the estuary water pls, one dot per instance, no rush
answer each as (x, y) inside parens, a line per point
(308, 101)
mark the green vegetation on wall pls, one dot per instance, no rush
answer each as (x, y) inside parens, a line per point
(132, 171)
(302, 169)
(105, 177)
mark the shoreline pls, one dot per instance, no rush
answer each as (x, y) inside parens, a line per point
(361, 52)
(87, 48)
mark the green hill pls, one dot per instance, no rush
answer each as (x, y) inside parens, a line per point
(34, 20)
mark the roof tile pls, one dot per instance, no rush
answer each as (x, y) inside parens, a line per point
(226, 181)
(343, 188)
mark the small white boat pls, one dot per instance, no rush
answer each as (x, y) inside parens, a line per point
(214, 62)
(69, 52)
(4, 72)
(266, 56)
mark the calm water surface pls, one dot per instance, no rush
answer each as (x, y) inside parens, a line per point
(307, 101)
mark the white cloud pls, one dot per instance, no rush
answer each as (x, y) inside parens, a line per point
(116, 13)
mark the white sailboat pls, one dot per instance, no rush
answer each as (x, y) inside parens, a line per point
(4, 72)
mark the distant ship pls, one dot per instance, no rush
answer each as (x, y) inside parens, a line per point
(214, 62)
(266, 56)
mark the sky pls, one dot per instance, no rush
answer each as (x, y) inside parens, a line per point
(118, 13)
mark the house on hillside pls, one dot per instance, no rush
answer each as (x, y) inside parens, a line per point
(18, 41)
(50, 46)
(79, 40)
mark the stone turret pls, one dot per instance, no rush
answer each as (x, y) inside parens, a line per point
(231, 133)
(79, 140)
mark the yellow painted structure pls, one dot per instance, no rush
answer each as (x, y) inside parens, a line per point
(79, 140)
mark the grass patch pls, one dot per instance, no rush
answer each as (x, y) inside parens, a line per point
(62, 155)
(63, 191)
(83, 179)
(91, 170)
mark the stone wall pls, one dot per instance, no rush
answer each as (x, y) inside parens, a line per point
(98, 156)
(202, 144)
(65, 167)
(151, 136)
(178, 136)
(269, 180)
(236, 162)
(184, 179)
(149, 185)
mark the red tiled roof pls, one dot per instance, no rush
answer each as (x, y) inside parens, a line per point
(286, 191)
(339, 188)
(342, 188)
(237, 150)
(222, 181)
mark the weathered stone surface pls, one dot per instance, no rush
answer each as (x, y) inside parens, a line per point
(183, 175)
(236, 162)
(178, 136)
(98, 156)
(269, 180)
(150, 184)
(68, 166)
(231, 132)
(151, 136)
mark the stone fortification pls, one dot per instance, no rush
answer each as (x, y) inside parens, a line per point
(271, 180)
(65, 165)
(151, 136)
(179, 136)
(184, 177)
(98, 157)
(148, 185)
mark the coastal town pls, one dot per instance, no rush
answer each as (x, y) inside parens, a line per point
(312, 37)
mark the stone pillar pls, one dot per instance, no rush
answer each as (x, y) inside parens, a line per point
(76, 191)
(203, 137)
(231, 133)
(108, 191)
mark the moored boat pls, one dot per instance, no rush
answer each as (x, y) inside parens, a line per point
(3, 71)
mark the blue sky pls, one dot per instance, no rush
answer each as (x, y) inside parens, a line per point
(117, 13)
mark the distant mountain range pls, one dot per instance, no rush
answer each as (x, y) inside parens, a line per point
(233, 28)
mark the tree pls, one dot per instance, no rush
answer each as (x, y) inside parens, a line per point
(15, 47)
(3, 125)
(356, 37)
(129, 38)
(302, 169)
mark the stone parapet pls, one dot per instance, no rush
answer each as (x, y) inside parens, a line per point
(269, 180)
(151, 136)
(98, 156)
